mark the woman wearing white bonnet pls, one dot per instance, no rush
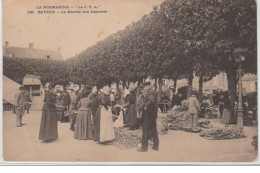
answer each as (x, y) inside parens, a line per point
(104, 129)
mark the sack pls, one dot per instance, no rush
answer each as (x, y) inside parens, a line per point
(120, 120)
(162, 125)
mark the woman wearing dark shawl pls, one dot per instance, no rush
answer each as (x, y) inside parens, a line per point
(83, 129)
(130, 113)
(226, 118)
(49, 127)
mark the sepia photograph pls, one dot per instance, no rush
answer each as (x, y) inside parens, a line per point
(133, 82)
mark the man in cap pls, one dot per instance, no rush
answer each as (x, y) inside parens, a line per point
(65, 103)
(194, 108)
(149, 117)
(20, 106)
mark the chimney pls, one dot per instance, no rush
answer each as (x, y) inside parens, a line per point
(6, 44)
(31, 46)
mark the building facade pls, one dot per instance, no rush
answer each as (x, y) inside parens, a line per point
(31, 52)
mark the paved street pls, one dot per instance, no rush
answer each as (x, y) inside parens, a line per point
(22, 144)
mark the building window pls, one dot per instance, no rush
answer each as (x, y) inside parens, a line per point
(47, 56)
(10, 55)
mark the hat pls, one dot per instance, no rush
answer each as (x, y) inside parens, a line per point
(147, 82)
(22, 88)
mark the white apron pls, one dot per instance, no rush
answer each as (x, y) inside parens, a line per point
(106, 125)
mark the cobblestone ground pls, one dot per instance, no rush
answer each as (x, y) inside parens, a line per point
(22, 144)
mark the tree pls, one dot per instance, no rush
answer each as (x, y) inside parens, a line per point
(48, 70)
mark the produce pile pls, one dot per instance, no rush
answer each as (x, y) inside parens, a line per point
(205, 124)
(228, 132)
(162, 125)
(191, 130)
(211, 112)
(178, 119)
(127, 139)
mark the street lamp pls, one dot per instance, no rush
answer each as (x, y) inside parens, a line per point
(239, 58)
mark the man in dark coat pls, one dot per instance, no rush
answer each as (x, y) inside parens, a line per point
(94, 106)
(176, 100)
(28, 101)
(66, 100)
(149, 117)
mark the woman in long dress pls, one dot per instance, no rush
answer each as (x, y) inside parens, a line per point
(226, 118)
(83, 129)
(139, 105)
(48, 128)
(104, 128)
(221, 106)
(130, 113)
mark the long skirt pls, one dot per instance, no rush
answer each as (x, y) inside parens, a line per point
(226, 118)
(96, 136)
(130, 115)
(83, 129)
(49, 127)
(104, 127)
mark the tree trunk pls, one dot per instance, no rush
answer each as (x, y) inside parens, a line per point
(175, 85)
(190, 78)
(232, 89)
(155, 84)
(160, 89)
(200, 89)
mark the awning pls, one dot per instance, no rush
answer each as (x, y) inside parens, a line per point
(31, 80)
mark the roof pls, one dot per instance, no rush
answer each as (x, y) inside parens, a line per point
(10, 88)
(32, 53)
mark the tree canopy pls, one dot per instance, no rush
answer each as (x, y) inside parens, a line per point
(178, 39)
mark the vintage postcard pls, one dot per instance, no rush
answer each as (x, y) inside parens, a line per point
(129, 82)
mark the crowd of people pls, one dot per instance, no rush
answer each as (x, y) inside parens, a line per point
(198, 107)
(90, 111)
